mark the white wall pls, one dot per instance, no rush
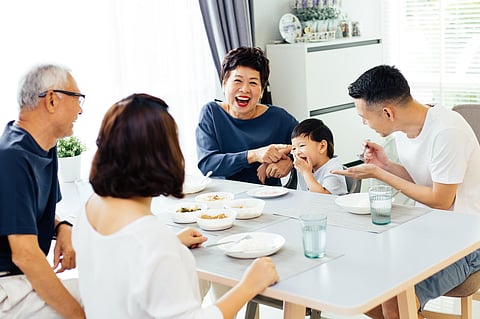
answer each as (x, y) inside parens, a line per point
(268, 13)
(367, 13)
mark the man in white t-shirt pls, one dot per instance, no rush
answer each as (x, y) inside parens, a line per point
(439, 156)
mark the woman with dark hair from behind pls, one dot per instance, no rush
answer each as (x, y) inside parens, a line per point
(146, 271)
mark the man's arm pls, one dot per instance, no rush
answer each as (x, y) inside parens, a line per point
(438, 196)
(28, 256)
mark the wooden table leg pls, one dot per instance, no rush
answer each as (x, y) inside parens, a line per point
(407, 305)
(293, 311)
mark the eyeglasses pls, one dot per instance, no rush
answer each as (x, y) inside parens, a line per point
(81, 97)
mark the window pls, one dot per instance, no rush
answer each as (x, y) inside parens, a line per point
(436, 45)
(114, 48)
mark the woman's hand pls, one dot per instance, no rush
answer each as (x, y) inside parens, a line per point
(191, 238)
(269, 154)
(260, 274)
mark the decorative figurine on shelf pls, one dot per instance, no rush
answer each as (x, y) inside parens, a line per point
(355, 29)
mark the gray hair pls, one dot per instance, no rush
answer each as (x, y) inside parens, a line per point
(40, 79)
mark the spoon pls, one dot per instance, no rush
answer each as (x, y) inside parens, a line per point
(205, 178)
(229, 242)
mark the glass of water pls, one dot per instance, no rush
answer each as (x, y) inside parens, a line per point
(314, 233)
(380, 204)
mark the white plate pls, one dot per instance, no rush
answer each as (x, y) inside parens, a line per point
(246, 208)
(356, 203)
(290, 27)
(192, 184)
(268, 191)
(257, 245)
(193, 188)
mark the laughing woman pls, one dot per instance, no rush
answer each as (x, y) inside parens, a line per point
(236, 136)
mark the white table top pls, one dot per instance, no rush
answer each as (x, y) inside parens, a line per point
(372, 267)
(368, 268)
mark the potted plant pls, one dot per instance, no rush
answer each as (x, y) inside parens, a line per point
(69, 150)
(318, 16)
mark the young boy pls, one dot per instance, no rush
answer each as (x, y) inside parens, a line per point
(312, 149)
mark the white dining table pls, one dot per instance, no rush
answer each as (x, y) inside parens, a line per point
(363, 268)
(366, 266)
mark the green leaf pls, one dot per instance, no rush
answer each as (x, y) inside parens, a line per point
(70, 146)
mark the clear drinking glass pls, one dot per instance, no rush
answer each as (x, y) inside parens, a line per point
(380, 204)
(314, 233)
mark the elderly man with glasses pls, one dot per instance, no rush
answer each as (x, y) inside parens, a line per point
(50, 103)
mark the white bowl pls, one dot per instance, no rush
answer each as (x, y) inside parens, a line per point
(184, 212)
(356, 203)
(207, 220)
(214, 199)
(246, 208)
(195, 184)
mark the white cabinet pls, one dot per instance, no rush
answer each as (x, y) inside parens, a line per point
(311, 80)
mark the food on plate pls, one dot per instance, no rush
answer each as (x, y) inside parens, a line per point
(219, 216)
(215, 197)
(189, 209)
(250, 244)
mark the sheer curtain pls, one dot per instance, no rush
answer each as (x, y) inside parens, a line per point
(436, 44)
(114, 48)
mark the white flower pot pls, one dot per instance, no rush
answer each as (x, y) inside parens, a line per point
(69, 168)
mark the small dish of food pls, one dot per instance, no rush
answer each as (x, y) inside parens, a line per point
(215, 219)
(184, 212)
(246, 208)
(214, 199)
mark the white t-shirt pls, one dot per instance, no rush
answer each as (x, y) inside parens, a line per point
(446, 151)
(141, 271)
(334, 183)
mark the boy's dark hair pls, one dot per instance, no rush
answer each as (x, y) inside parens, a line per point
(317, 131)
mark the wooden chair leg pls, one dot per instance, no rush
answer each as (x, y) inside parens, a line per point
(466, 306)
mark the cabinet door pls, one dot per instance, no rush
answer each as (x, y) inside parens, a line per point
(330, 71)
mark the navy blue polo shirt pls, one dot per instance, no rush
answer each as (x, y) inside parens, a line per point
(29, 191)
